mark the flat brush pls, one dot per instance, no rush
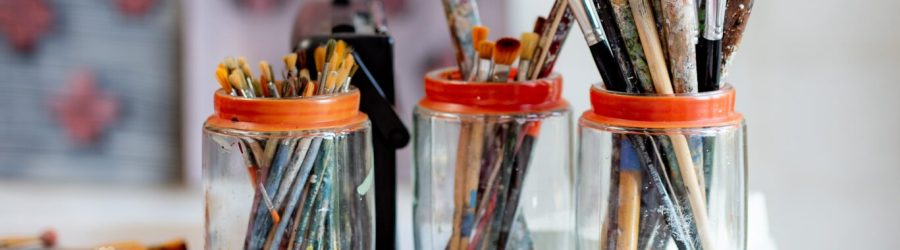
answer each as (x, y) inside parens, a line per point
(462, 15)
(344, 71)
(222, 78)
(586, 15)
(709, 46)
(346, 85)
(308, 87)
(268, 79)
(326, 68)
(253, 86)
(320, 61)
(46, 239)
(237, 81)
(479, 35)
(529, 44)
(485, 65)
(736, 14)
(506, 50)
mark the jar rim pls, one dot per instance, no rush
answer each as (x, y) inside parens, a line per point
(445, 92)
(286, 114)
(714, 108)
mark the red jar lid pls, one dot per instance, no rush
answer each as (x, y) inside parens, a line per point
(444, 92)
(654, 111)
(288, 114)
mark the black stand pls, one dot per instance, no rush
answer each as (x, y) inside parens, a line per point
(375, 81)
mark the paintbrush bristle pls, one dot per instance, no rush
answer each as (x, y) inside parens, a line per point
(486, 50)
(290, 62)
(529, 44)
(320, 58)
(479, 34)
(346, 66)
(222, 78)
(332, 79)
(237, 80)
(506, 50)
(242, 62)
(539, 25)
(230, 63)
(265, 70)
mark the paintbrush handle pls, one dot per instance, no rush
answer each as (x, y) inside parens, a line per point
(462, 15)
(680, 19)
(646, 26)
(629, 209)
(695, 193)
(709, 62)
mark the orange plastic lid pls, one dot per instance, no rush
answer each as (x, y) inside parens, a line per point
(678, 111)
(445, 93)
(270, 114)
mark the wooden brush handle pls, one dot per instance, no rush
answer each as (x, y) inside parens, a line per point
(646, 26)
(462, 146)
(629, 216)
(695, 192)
(680, 19)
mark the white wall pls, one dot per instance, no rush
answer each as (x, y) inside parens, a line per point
(816, 81)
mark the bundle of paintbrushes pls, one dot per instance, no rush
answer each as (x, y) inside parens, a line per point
(300, 180)
(661, 47)
(493, 154)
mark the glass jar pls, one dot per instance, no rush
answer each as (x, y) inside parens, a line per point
(492, 165)
(288, 173)
(661, 172)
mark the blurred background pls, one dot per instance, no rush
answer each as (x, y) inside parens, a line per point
(104, 100)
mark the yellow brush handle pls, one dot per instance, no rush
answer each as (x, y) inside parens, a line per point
(629, 216)
(646, 26)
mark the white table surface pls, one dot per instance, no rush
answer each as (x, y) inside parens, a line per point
(87, 216)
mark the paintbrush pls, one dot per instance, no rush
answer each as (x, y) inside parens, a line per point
(268, 79)
(479, 35)
(506, 50)
(529, 44)
(646, 27)
(237, 81)
(344, 72)
(485, 65)
(617, 44)
(709, 46)
(248, 75)
(353, 70)
(680, 20)
(552, 40)
(610, 72)
(309, 87)
(326, 67)
(629, 35)
(462, 15)
(320, 62)
(539, 24)
(222, 78)
(736, 14)
(46, 239)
